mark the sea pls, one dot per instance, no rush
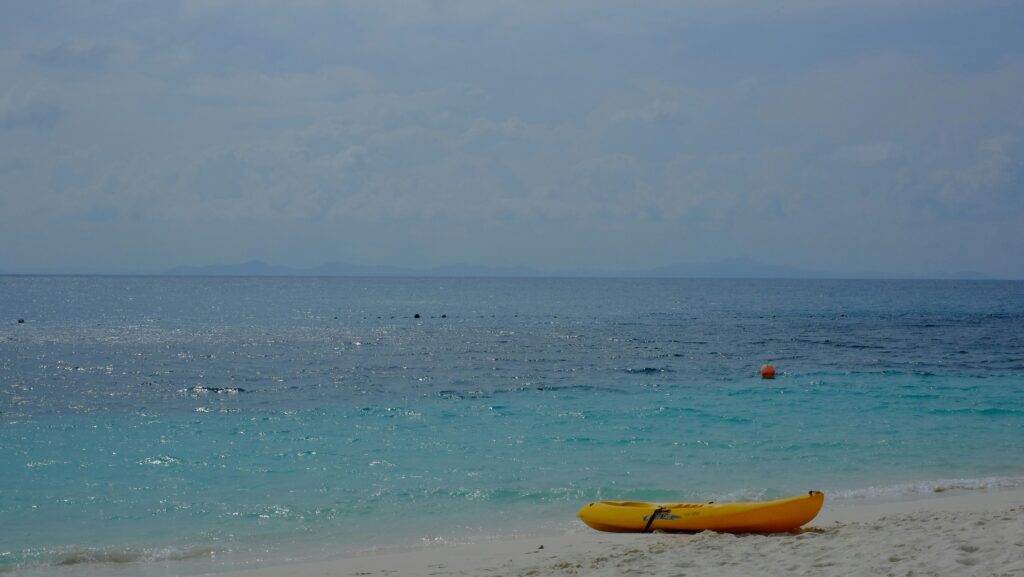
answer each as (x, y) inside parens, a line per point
(154, 426)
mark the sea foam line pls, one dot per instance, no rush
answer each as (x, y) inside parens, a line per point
(923, 488)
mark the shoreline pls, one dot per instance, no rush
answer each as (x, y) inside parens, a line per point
(953, 533)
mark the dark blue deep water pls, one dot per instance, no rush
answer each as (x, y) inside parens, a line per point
(161, 425)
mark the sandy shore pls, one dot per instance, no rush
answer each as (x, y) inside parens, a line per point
(978, 533)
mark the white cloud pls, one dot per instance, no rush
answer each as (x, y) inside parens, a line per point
(872, 153)
(662, 122)
(74, 57)
(985, 183)
(29, 110)
(650, 112)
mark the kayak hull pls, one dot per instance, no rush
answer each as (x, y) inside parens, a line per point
(765, 517)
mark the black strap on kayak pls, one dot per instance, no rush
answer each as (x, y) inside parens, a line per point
(654, 516)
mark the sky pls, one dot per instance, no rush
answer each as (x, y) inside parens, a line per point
(834, 135)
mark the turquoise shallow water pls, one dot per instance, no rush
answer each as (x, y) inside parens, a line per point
(187, 425)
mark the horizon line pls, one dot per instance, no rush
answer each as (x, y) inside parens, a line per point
(732, 268)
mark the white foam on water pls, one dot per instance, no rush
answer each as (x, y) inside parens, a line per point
(923, 488)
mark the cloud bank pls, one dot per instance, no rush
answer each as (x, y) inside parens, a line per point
(837, 135)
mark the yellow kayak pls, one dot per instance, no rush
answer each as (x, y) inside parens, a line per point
(765, 517)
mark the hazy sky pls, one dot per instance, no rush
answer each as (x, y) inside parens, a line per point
(846, 135)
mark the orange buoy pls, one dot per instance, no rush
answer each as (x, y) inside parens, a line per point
(767, 372)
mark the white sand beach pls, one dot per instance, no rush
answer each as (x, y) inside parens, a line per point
(974, 533)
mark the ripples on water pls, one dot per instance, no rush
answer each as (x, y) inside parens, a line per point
(146, 419)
